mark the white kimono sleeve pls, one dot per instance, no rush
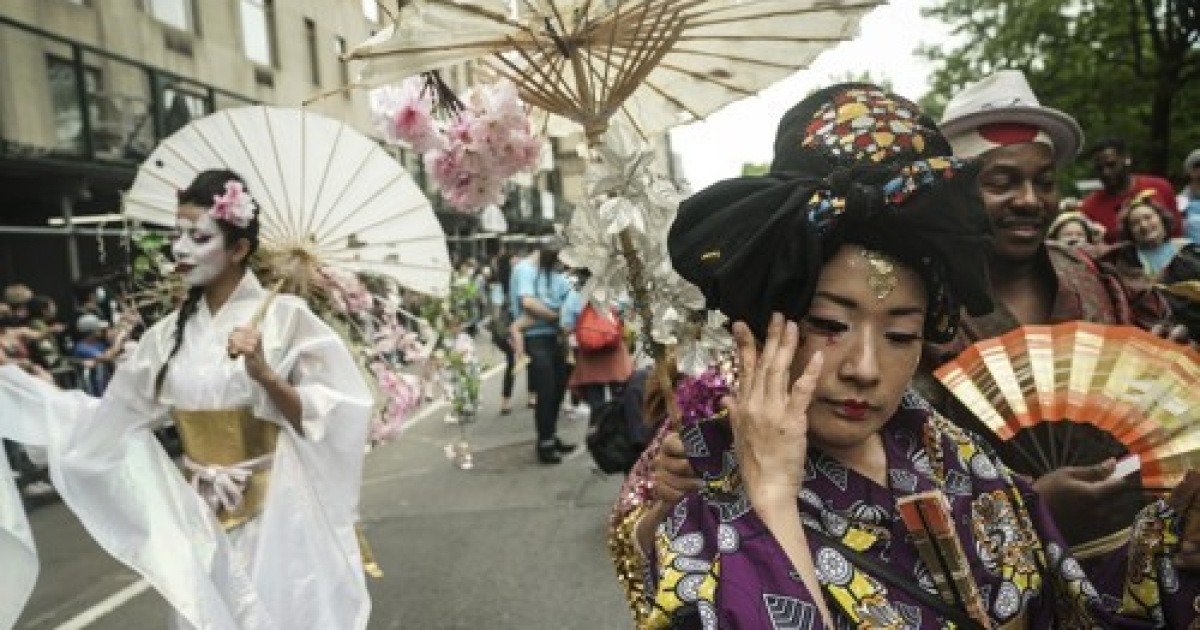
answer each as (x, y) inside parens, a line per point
(309, 546)
(18, 555)
(111, 471)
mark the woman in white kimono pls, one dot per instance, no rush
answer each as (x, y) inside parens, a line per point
(260, 534)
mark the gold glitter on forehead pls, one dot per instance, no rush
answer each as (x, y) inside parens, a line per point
(882, 275)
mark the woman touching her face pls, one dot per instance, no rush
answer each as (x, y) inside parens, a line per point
(861, 243)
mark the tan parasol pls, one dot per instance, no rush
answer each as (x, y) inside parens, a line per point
(653, 63)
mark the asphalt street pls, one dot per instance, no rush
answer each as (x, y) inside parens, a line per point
(508, 544)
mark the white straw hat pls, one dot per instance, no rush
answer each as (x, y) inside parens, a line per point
(998, 110)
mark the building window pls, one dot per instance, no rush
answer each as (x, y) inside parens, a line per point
(178, 14)
(339, 46)
(180, 108)
(258, 31)
(68, 113)
(371, 10)
(314, 58)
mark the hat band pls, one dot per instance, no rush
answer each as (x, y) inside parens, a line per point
(976, 142)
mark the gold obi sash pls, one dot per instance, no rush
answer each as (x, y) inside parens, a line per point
(228, 455)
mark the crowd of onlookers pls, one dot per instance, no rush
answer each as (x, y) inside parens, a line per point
(77, 351)
(1119, 211)
(1137, 225)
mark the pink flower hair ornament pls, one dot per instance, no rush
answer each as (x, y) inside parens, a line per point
(236, 206)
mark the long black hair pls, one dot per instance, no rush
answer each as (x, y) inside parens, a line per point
(547, 259)
(202, 192)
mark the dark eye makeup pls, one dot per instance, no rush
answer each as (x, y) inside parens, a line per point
(903, 338)
(830, 327)
(825, 326)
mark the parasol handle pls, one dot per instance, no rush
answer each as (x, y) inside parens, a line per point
(261, 312)
(266, 304)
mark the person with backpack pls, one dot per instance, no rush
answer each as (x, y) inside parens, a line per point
(602, 360)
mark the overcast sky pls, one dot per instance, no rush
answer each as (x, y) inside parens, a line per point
(743, 132)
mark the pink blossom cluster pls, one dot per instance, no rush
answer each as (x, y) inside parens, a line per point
(405, 114)
(472, 155)
(235, 206)
(391, 337)
(347, 294)
(401, 395)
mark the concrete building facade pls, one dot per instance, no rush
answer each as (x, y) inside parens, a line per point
(88, 87)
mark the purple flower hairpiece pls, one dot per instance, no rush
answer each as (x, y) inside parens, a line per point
(699, 397)
(236, 206)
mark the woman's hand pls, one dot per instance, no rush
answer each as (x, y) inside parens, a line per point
(769, 414)
(247, 342)
(1070, 490)
(672, 473)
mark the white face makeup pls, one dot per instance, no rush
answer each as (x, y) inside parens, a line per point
(199, 250)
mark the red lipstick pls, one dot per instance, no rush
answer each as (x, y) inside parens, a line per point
(852, 409)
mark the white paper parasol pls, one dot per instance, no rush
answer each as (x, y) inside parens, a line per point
(651, 63)
(327, 192)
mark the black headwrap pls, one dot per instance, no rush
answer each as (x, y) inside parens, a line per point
(852, 165)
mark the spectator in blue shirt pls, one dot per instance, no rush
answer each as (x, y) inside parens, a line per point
(1189, 197)
(97, 353)
(538, 289)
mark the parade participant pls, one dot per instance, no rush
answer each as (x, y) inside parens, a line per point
(1112, 162)
(866, 248)
(1021, 145)
(258, 531)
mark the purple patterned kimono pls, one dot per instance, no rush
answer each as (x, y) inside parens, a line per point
(717, 566)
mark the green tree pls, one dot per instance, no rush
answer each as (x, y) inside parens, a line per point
(1127, 68)
(755, 169)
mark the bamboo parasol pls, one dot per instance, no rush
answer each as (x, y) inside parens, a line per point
(329, 196)
(651, 63)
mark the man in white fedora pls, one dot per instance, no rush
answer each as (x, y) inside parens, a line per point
(1022, 144)
(1002, 110)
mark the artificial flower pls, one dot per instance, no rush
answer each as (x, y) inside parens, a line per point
(401, 395)
(405, 114)
(699, 397)
(481, 147)
(347, 294)
(704, 343)
(235, 206)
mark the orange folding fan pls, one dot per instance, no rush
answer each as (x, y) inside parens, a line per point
(1040, 387)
